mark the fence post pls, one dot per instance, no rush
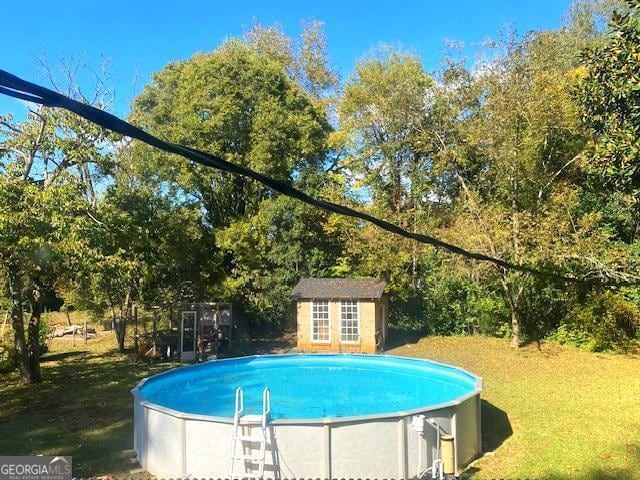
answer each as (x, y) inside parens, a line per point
(135, 331)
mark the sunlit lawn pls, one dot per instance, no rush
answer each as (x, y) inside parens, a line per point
(550, 412)
(82, 408)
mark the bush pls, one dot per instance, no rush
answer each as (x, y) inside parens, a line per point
(7, 351)
(605, 321)
(458, 305)
(542, 308)
(7, 348)
(451, 305)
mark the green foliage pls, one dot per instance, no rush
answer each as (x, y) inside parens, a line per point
(543, 305)
(271, 250)
(382, 111)
(609, 97)
(304, 59)
(247, 101)
(241, 105)
(44, 330)
(604, 321)
(458, 305)
(531, 156)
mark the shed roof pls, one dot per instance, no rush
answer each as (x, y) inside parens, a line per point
(339, 288)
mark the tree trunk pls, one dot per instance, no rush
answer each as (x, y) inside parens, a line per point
(34, 334)
(515, 329)
(121, 323)
(17, 322)
(515, 319)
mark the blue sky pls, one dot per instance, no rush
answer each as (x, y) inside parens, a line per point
(141, 36)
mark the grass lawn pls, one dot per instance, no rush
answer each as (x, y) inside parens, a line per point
(82, 408)
(549, 412)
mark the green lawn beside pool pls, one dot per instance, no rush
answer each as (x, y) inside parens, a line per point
(82, 408)
(549, 412)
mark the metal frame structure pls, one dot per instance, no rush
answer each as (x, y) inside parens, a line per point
(211, 326)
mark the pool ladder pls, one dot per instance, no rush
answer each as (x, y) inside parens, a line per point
(239, 460)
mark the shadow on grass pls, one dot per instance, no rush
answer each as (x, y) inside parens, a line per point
(82, 408)
(262, 345)
(398, 338)
(496, 427)
(56, 357)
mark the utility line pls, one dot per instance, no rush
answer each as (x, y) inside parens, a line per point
(16, 87)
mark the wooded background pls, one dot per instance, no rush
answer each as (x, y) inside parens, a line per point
(528, 153)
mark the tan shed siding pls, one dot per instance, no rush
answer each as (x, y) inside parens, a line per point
(367, 310)
(367, 321)
(304, 323)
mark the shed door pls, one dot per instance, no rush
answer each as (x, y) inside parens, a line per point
(188, 334)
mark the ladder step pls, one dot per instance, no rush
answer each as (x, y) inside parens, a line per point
(250, 458)
(256, 460)
(244, 419)
(248, 438)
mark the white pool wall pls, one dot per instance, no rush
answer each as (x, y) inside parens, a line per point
(171, 444)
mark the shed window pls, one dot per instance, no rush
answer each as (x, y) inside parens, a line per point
(320, 323)
(349, 322)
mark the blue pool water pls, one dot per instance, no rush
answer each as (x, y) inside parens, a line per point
(309, 386)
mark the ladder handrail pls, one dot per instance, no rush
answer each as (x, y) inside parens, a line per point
(239, 405)
(266, 406)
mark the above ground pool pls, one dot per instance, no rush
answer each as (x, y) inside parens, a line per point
(332, 415)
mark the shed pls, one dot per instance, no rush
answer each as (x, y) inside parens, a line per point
(341, 314)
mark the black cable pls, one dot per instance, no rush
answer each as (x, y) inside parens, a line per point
(16, 87)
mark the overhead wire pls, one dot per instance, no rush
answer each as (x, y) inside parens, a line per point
(16, 87)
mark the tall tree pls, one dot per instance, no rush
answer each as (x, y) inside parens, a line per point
(241, 105)
(37, 245)
(145, 248)
(522, 152)
(44, 158)
(385, 109)
(609, 99)
(305, 59)
(241, 102)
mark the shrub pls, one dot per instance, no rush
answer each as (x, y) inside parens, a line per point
(542, 308)
(605, 321)
(449, 304)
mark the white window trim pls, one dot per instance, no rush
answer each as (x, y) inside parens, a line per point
(313, 340)
(195, 329)
(351, 342)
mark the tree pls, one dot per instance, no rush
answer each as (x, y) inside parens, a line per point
(271, 250)
(305, 60)
(37, 246)
(46, 159)
(526, 137)
(145, 248)
(240, 102)
(385, 110)
(242, 106)
(608, 96)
